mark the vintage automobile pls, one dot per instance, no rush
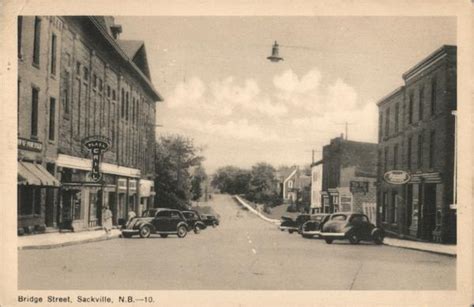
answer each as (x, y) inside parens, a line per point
(194, 220)
(160, 221)
(351, 226)
(287, 223)
(210, 220)
(313, 226)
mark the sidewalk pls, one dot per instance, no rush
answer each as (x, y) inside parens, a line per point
(60, 239)
(444, 249)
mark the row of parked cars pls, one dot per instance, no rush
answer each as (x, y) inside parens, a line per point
(351, 226)
(165, 222)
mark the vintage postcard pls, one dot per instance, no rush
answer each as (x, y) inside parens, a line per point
(234, 153)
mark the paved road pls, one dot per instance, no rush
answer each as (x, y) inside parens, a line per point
(244, 253)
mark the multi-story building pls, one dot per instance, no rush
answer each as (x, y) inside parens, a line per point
(349, 175)
(99, 87)
(416, 136)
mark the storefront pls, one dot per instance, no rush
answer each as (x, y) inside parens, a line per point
(82, 200)
(34, 185)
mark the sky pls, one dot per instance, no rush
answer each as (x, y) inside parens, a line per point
(220, 90)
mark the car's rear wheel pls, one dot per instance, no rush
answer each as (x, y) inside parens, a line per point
(126, 235)
(378, 237)
(290, 230)
(353, 238)
(328, 241)
(197, 229)
(164, 235)
(182, 231)
(145, 231)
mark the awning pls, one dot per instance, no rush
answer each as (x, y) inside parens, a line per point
(36, 175)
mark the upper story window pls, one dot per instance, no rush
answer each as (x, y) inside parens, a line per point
(20, 33)
(34, 112)
(113, 95)
(410, 108)
(395, 156)
(397, 111)
(78, 68)
(387, 122)
(53, 53)
(37, 42)
(94, 80)
(380, 125)
(385, 159)
(86, 74)
(433, 96)
(421, 103)
(101, 85)
(409, 152)
(432, 149)
(420, 151)
(122, 101)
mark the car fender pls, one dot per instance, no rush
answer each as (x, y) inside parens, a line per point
(377, 229)
(140, 225)
(182, 223)
(200, 224)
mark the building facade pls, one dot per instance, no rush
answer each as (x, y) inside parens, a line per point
(99, 88)
(349, 174)
(416, 136)
(316, 185)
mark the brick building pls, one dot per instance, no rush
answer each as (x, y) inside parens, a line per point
(348, 176)
(101, 88)
(416, 135)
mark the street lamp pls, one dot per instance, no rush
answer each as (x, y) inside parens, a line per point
(275, 57)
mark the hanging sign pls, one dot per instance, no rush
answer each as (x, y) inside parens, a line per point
(396, 177)
(96, 145)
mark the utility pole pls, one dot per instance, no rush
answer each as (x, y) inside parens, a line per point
(346, 128)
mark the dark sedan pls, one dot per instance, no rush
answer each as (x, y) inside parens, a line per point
(160, 221)
(287, 223)
(313, 227)
(354, 227)
(194, 220)
(210, 220)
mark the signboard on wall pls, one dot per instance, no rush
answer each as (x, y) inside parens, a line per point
(359, 186)
(396, 177)
(96, 145)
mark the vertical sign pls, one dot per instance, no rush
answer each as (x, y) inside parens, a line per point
(96, 145)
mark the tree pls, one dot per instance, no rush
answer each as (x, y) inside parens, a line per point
(263, 185)
(231, 179)
(175, 157)
(198, 180)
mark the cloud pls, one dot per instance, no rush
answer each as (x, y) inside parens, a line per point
(240, 129)
(224, 97)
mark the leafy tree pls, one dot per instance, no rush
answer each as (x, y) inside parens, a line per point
(263, 184)
(198, 180)
(232, 180)
(175, 157)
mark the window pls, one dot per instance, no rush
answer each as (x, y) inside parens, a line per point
(94, 81)
(394, 208)
(34, 112)
(100, 85)
(122, 113)
(410, 109)
(37, 42)
(65, 95)
(86, 74)
(78, 100)
(397, 111)
(432, 148)
(433, 96)
(29, 200)
(52, 118)
(53, 53)
(395, 156)
(420, 151)
(409, 152)
(385, 159)
(20, 33)
(127, 106)
(108, 91)
(78, 68)
(113, 95)
(387, 122)
(420, 103)
(339, 217)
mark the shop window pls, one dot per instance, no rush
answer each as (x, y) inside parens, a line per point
(30, 200)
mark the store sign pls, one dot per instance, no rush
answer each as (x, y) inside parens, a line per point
(359, 186)
(396, 177)
(30, 145)
(96, 145)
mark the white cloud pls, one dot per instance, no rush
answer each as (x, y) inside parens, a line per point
(240, 129)
(187, 93)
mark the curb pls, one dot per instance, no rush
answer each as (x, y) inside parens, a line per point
(423, 250)
(273, 221)
(69, 243)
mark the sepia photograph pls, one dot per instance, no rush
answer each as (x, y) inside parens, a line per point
(246, 152)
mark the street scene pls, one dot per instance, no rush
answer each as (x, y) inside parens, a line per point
(243, 253)
(237, 153)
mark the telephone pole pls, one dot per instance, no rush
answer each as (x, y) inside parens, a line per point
(346, 126)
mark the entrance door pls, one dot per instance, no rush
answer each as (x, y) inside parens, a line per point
(429, 211)
(49, 217)
(113, 207)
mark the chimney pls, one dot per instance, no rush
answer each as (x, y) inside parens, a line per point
(116, 30)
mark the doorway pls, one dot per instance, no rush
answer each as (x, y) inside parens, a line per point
(429, 212)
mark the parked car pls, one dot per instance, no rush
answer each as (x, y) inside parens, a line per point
(194, 221)
(354, 227)
(287, 223)
(313, 226)
(210, 220)
(160, 221)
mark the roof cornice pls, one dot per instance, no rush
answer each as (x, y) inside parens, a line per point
(434, 57)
